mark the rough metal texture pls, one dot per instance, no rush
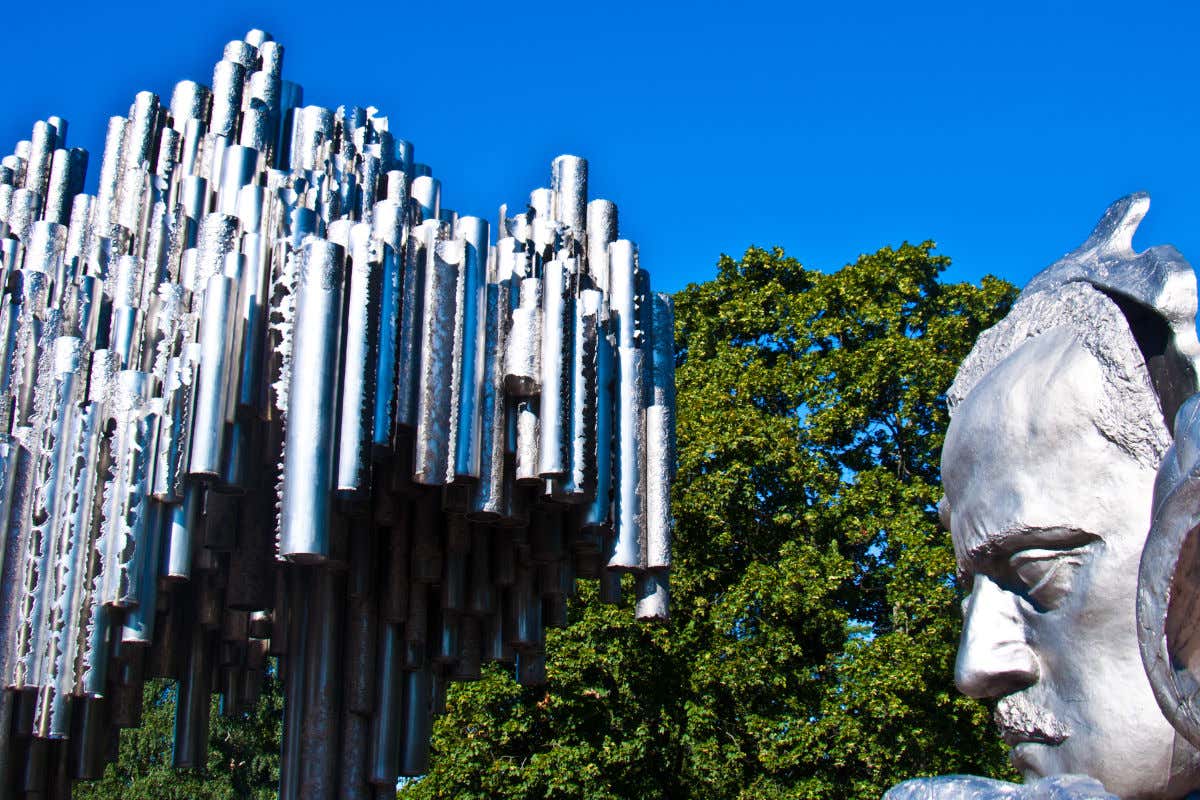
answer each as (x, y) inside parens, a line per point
(970, 787)
(262, 396)
(1169, 579)
(1060, 417)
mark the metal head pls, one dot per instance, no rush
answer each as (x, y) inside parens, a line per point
(1049, 467)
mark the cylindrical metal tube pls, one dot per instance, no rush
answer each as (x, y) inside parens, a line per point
(553, 446)
(427, 193)
(417, 257)
(389, 223)
(141, 133)
(470, 323)
(308, 459)
(358, 370)
(352, 772)
(228, 78)
(523, 348)
(387, 721)
(418, 722)
(660, 433)
(580, 483)
(362, 622)
(323, 687)
(212, 402)
(298, 598)
(598, 513)
(41, 153)
(653, 595)
(601, 232)
(569, 180)
(489, 500)
(629, 478)
(189, 100)
(431, 461)
(192, 710)
(313, 127)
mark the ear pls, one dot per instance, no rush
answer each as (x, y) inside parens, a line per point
(943, 508)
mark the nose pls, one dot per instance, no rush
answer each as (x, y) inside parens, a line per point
(994, 656)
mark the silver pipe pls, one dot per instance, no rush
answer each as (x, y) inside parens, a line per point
(527, 464)
(312, 401)
(490, 501)
(358, 370)
(427, 194)
(41, 151)
(598, 513)
(125, 520)
(322, 687)
(418, 722)
(660, 435)
(580, 483)
(227, 80)
(189, 100)
(192, 709)
(255, 294)
(468, 363)
(389, 227)
(602, 231)
(569, 182)
(141, 130)
(387, 720)
(312, 129)
(554, 445)
(212, 402)
(417, 257)
(629, 507)
(431, 462)
(523, 353)
(653, 596)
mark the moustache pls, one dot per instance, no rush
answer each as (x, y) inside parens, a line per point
(1021, 721)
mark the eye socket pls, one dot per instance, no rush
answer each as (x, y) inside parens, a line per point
(1047, 575)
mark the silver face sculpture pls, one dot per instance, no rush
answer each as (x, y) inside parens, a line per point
(1060, 417)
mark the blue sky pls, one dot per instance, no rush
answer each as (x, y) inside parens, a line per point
(829, 129)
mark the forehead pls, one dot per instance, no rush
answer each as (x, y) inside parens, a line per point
(1024, 452)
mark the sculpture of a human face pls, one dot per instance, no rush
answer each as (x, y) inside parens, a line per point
(1048, 518)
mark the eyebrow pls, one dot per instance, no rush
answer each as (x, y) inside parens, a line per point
(1019, 537)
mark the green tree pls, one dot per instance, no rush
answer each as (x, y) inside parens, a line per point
(814, 583)
(243, 753)
(815, 617)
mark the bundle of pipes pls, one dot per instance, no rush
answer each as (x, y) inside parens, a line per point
(263, 396)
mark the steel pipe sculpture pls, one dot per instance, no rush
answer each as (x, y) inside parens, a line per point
(261, 395)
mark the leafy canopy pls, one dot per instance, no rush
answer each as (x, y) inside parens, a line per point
(815, 619)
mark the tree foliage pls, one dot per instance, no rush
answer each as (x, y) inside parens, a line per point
(243, 753)
(815, 615)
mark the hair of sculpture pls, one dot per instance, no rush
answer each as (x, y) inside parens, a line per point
(1130, 415)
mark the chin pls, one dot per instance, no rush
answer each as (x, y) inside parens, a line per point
(1033, 762)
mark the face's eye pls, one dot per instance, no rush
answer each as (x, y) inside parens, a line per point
(1047, 575)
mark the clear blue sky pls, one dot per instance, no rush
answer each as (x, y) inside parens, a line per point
(827, 128)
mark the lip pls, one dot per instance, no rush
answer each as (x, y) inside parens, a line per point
(1014, 738)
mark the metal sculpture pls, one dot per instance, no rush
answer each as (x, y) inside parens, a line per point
(1060, 419)
(261, 396)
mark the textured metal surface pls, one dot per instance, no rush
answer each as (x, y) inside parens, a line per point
(971, 787)
(262, 395)
(1060, 419)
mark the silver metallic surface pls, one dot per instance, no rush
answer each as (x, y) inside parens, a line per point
(1060, 418)
(263, 395)
(557, 316)
(308, 454)
(468, 364)
(971, 787)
